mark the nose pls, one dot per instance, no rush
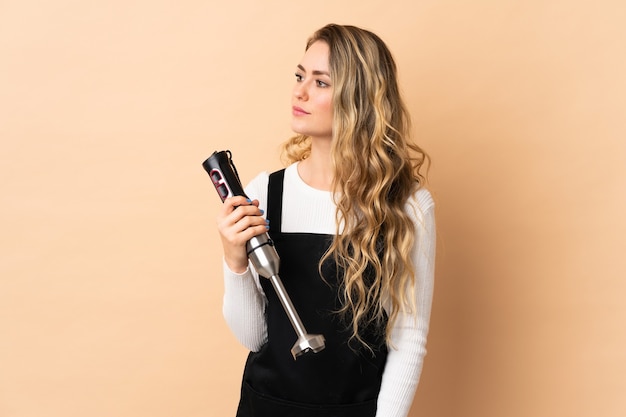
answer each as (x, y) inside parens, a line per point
(300, 91)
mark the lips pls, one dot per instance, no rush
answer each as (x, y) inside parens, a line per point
(298, 111)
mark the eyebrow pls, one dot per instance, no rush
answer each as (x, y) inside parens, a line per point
(315, 72)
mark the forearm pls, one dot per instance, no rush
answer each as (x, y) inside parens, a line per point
(403, 369)
(244, 308)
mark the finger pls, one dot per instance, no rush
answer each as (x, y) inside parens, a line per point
(238, 234)
(232, 205)
(238, 211)
(240, 223)
(253, 231)
(237, 201)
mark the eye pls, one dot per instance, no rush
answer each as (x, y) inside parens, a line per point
(321, 83)
(299, 77)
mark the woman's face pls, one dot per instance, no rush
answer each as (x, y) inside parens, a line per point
(312, 107)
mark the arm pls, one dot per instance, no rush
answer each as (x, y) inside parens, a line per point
(244, 307)
(406, 356)
(244, 301)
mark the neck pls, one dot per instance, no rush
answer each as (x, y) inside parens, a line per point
(317, 170)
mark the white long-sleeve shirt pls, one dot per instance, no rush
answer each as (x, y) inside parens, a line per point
(309, 210)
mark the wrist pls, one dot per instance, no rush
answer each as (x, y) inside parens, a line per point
(236, 266)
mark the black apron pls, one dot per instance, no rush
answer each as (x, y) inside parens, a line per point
(343, 380)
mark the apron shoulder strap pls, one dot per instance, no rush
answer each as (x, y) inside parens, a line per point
(275, 199)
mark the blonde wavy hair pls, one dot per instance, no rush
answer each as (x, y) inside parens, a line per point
(376, 170)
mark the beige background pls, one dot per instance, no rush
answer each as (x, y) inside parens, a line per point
(110, 269)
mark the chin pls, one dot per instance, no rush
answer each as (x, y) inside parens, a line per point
(297, 129)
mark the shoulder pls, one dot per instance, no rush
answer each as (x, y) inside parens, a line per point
(260, 179)
(257, 187)
(421, 199)
(420, 204)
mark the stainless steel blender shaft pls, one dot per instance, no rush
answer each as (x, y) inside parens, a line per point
(266, 262)
(306, 342)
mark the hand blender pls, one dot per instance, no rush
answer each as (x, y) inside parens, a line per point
(261, 251)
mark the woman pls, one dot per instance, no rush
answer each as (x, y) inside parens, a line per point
(355, 232)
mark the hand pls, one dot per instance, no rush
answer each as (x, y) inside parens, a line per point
(238, 221)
